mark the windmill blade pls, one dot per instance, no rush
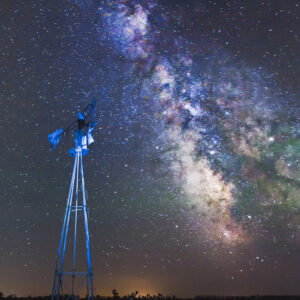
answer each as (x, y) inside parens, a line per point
(55, 137)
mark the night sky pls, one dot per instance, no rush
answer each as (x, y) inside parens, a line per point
(194, 177)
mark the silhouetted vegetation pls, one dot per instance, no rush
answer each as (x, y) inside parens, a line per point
(135, 296)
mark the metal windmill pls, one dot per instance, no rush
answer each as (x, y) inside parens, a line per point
(76, 207)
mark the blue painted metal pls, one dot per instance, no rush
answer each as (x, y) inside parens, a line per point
(55, 137)
(58, 257)
(89, 261)
(80, 149)
(80, 116)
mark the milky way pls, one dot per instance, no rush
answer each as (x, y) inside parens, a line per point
(194, 175)
(210, 113)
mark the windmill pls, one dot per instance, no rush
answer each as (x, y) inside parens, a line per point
(76, 207)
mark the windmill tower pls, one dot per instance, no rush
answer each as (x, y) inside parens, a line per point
(65, 280)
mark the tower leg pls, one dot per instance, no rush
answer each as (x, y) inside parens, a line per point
(56, 283)
(88, 251)
(60, 274)
(75, 227)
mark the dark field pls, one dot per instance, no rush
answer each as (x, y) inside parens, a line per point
(157, 297)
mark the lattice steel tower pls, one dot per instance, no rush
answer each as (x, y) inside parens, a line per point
(64, 282)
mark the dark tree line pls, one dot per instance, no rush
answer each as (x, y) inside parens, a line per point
(135, 296)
